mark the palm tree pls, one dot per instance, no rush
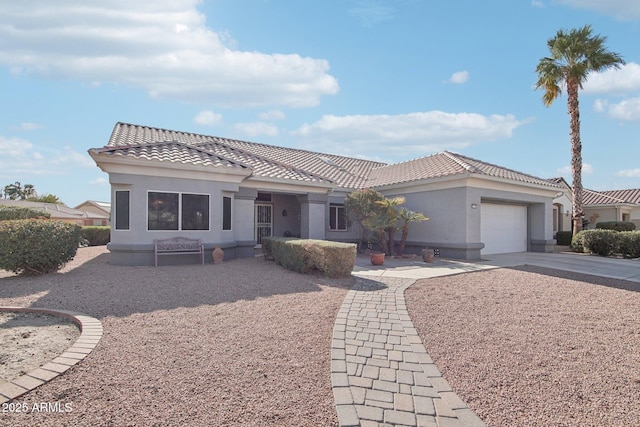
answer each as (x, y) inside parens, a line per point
(408, 216)
(574, 54)
(388, 218)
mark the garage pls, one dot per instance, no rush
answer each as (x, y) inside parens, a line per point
(503, 228)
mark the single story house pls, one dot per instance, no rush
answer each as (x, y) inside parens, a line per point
(62, 212)
(614, 205)
(102, 208)
(232, 193)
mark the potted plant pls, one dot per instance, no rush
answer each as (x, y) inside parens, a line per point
(427, 255)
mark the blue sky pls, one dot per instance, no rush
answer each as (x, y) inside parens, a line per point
(388, 80)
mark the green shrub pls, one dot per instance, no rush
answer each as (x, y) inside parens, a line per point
(35, 247)
(15, 212)
(96, 235)
(305, 255)
(629, 244)
(600, 242)
(564, 238)
(616, 225)
(577, 243)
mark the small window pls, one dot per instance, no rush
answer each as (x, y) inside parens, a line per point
(226, 213)
(122, 210)
(337, 218)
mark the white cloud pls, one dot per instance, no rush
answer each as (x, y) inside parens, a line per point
(627, 110)
(30, 126)
(20, 156)
(99, 181)
(370, 12)
(587, 169)
(272, 115)
(405, 135)
(161, 46)
(615, 81)
(621, 9)
(257, 129)
(208, 118)
(459, 77)
(537, 3)
(629, 173)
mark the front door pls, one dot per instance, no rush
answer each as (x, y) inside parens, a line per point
(263, 221)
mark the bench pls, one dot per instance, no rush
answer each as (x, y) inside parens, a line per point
(178, 246)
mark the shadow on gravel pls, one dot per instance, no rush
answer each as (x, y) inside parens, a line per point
(587, 278)
(101, 289)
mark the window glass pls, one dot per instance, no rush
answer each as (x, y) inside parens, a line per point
(195, 212)
(226, 213)
(337, 218)
(122, 210)
(162, 211)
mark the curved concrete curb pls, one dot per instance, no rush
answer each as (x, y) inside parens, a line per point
(381, 372)
(90, 334)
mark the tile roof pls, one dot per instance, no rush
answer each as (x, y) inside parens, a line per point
(268, 161)
(446, 164)
(614, 197)
(57, 211)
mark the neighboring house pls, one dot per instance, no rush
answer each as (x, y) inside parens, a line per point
(615, 205)
(62, 212)
(232, 193)
(102, 208)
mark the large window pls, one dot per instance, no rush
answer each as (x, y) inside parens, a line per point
(337, 218)
(167, 211)
(122, 210)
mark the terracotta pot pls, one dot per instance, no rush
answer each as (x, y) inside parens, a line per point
(377, 258)
(427, 255)
(217, 255)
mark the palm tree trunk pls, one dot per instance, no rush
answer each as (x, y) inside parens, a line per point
(576, 155)
(403, 238)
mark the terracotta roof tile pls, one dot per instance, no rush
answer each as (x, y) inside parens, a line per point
(614, 197)
(268, 161)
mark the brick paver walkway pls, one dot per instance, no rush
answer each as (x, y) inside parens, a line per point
(380, 370)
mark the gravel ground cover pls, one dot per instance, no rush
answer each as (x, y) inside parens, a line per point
(535, 347)
(244, 342)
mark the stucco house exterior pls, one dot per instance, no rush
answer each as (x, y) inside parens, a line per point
(614, 205)
(232, 193)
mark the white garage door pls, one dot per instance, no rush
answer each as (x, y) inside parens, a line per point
(503, 228)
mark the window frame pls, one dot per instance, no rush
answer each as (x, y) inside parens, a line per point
(117, 209)
(180, 215)
(338, 207)
(227, 217)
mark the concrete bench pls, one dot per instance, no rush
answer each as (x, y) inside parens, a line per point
(178, 246)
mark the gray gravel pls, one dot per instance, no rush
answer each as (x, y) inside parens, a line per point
(535, 347)
(241, 343)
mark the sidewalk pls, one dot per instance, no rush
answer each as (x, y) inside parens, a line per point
(381, 372)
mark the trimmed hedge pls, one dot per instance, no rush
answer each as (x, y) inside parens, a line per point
(629, 244)
(608, 242)
(35, 247)
(564, 238)
(334, 259)
(600, 242)
(96, 235)
(616, 225)
(8, 213)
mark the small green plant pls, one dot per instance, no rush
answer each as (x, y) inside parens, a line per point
(96, 235)
(564, 238)
(629, 244)
(616, 225)
(36, 247)
(577, 244)
(600, 242)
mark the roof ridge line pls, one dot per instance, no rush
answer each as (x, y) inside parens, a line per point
(465, 165)
(606, 195)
